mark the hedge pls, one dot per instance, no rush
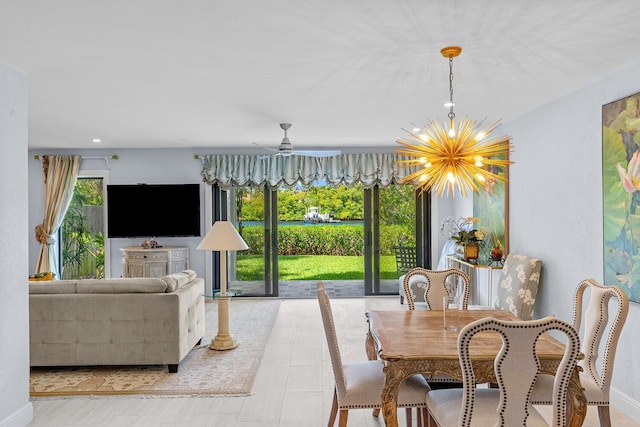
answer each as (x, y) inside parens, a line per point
(326, 239)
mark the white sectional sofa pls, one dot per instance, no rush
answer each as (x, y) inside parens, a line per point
(137, 321)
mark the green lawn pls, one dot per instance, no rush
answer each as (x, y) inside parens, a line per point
(310, 267)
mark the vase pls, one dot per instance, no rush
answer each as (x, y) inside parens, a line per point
(496, 254)
(471, 252)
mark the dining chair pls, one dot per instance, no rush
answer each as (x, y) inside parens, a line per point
(595, 377)
(516, 369)
(518, 285)
(359, 384)
(433, 285)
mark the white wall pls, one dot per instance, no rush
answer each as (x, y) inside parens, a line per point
(15, 407)
(555, 204)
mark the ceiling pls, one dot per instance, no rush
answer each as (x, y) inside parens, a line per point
(346, 73)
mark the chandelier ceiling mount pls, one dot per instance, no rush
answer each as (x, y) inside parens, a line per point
(450, 158)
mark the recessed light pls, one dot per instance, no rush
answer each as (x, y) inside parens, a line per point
(96, 140)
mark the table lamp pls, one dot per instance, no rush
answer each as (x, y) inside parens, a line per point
(223, 237)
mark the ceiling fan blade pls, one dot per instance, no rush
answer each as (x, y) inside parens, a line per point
(271, 149)
(317, 153)
(285, 148)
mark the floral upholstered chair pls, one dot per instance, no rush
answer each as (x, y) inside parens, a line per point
(518, 285)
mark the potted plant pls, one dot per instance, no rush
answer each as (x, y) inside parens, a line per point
(496, 252)
(462, 232)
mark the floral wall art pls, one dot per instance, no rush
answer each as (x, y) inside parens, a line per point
(621, 194)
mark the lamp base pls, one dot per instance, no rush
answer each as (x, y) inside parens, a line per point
(223, 340)
(223, 343)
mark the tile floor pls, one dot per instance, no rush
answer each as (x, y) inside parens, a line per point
(293, 387)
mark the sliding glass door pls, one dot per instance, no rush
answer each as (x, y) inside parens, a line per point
(343, 236)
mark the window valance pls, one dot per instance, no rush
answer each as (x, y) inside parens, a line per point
(275, 171)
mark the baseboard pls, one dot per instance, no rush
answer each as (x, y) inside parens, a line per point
(624, 404)
(19, 418)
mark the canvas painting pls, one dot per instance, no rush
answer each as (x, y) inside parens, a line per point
(621, 194)
(491, 207)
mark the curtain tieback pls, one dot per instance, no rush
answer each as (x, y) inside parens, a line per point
(42, 236)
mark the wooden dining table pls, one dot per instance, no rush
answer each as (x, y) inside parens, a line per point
(415, 342)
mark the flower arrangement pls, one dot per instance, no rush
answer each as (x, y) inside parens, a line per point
(462, 230)
(150, 244)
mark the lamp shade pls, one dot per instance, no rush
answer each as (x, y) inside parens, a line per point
(223, 237)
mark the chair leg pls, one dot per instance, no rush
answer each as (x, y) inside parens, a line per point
(376, 412)
(334, 409)
(401, 299)
(429, 421)
(344, 413)
(604, 415)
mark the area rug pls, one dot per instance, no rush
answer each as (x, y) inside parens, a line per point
(201, 372)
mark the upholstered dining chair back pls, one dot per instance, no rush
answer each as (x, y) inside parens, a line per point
(518, 285)
(437, 284)
(516, 369)
(599, 323)
(332, 339)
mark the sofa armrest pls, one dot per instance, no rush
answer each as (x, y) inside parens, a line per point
(191, 311)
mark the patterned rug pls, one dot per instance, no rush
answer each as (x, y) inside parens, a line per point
(201, 372)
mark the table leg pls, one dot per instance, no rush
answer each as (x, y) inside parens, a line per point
(576, 401)
(393, 379)
(372, 354)
(370, 347)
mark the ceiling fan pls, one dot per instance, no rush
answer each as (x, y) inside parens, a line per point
(286, 149)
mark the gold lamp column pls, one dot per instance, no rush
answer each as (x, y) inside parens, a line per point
(453, 157)
(223, 237)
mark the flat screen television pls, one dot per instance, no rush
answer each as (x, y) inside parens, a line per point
(153, 210)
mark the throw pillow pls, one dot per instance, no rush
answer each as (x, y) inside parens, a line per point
(176, 280)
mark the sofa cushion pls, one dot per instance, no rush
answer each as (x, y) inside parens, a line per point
(176, 280)
(138, 285)
(53, 287)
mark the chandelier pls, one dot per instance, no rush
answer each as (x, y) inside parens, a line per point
(454, 157)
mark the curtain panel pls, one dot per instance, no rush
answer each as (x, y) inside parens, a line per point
(274, 171)
(60, 175)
